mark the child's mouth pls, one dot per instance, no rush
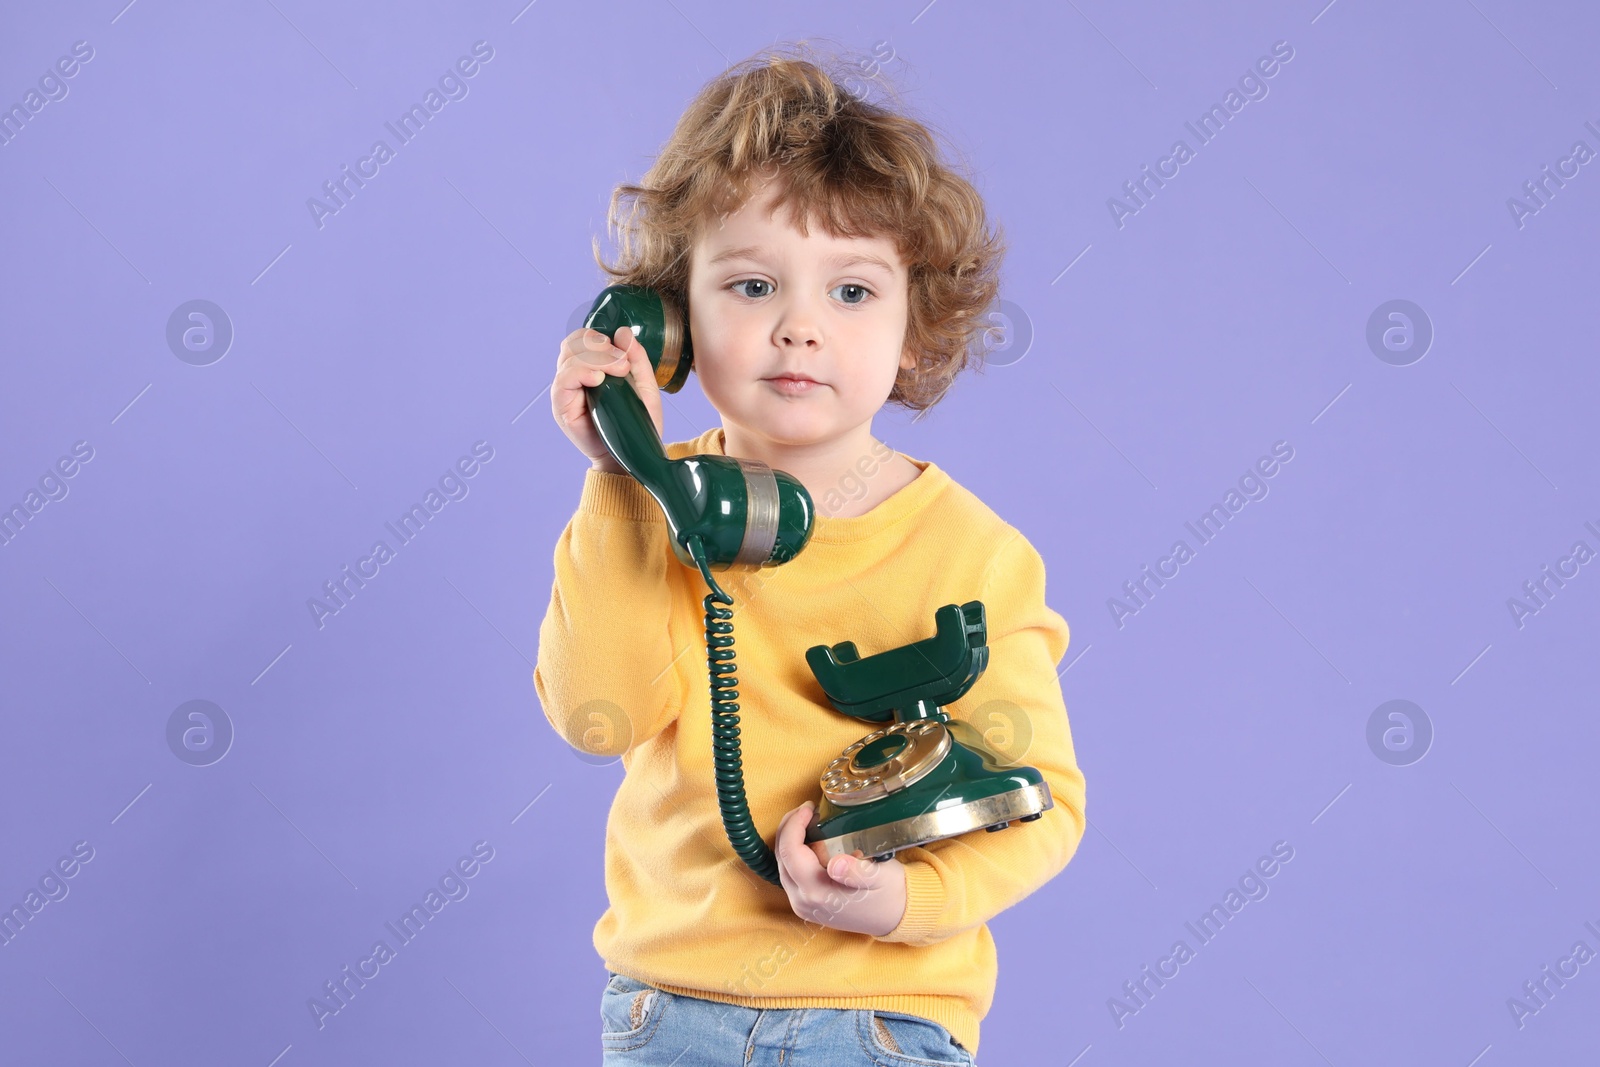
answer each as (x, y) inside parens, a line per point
(794, 386)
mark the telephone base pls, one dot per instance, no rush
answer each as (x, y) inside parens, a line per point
(992, 812)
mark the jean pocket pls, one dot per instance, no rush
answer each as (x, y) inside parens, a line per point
(911, 1039)
(630, 1012)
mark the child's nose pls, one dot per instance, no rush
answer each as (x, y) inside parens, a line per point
(799, 325)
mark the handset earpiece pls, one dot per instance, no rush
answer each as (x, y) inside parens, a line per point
(659, 320)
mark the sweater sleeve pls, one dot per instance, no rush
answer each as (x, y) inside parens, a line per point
(606, 646)
(962, 882)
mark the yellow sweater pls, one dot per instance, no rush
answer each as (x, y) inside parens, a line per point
(622, 671)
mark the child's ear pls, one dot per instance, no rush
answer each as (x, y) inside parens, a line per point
(908, 359)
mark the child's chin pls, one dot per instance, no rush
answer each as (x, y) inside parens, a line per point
(795, 433)
(789, 418)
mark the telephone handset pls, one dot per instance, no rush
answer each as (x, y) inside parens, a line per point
(922, 778)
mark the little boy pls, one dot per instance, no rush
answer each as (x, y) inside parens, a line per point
(830, 264)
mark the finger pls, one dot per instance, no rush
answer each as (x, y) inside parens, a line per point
(855, 873)
(599, 340)
(787, 841)
(780, 851)
(804, 864)
(635, 352)
(777, 838)
(802, 820)
(584, 340)
(569, 387)
(576, 372)
(786, 836)
(592, 348)
(567, 395)
(783, 872)
(623, 360)
(640, 371)
(787, 816)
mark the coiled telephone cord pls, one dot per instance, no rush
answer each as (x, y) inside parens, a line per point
(736, 820)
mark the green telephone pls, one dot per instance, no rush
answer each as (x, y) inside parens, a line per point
(921, 778)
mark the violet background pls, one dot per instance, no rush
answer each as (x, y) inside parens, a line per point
(1132, 391)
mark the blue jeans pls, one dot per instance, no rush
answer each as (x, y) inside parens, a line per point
(643, 1025)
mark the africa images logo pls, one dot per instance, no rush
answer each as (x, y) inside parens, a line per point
(453, 886)
(453, 485)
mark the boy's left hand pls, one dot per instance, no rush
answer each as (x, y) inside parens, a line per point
(851, 893)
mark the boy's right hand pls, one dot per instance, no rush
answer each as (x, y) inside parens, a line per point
(586, 357)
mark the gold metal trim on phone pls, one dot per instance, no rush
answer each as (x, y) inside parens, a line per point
(671, 340)
(937, 825)
(761, 512)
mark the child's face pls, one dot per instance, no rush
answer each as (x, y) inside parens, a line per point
(795, 306)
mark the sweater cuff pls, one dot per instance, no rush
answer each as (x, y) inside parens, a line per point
(925, 902)
(618, 496)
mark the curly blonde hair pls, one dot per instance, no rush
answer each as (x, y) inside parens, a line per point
(864, 170)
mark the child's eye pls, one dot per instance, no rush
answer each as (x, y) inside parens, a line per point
(749, 281)
(858, 293)
(864, 291)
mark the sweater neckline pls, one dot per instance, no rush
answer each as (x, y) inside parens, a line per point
(833, 529)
